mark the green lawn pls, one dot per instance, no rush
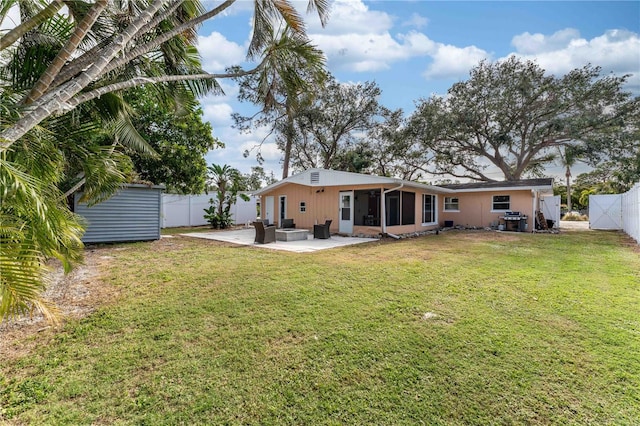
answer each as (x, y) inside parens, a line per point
(528, 329)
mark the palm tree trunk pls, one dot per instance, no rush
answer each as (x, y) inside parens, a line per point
(156, 42)
(54, 101)
(139, 81)
(288, 145)
(26, 26)
(63, 55)
(78, 64)
(568, 176)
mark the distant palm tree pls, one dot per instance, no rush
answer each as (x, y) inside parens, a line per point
(568, 157)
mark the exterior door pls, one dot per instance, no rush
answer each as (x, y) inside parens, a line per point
(282, 210)
(346, 212)
(269, 209)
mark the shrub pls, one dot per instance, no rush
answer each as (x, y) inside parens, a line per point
(575, 216)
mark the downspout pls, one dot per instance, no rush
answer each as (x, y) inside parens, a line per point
(384, 210)
(536, 207)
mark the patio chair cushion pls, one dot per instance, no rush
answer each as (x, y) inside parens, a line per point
(288, 224)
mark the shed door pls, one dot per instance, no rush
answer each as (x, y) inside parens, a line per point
(346, 212)
(605, 211)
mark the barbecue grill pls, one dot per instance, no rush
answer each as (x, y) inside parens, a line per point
(514, 221)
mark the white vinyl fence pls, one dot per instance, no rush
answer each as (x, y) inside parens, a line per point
(188, 210)
(550, 206)
(617, 211)
(631, 212)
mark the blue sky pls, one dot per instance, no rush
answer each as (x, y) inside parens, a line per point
(414, 49)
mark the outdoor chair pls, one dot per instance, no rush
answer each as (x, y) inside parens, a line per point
(264, 234)
(322, 231)
(288, 224)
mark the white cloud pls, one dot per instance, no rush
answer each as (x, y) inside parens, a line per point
(363, 52)
(351, 17)
(452, 61)
(527, 43)
(615, 51)
(218, 114)
(416, 21)
(360, 40)
(218, 52)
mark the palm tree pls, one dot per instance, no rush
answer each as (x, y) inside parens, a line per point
(568, 156)
(79, 61)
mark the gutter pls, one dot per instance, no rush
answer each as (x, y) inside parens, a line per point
(384, 209)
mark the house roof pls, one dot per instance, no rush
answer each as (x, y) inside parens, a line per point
(537, 184)
(324, 177)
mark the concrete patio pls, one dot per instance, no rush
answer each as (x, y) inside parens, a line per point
(246, 236)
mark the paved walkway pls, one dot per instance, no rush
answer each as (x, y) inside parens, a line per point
(246, 236)
(571, 225)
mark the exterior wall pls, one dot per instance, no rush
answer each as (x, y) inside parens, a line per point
(131, 214)
(322, 204)
(475, 207)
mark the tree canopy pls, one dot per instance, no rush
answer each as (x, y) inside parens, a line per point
(512, 116)
(334, 122)
(180, 140)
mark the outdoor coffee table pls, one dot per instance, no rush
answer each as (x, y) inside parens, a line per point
(291, 234)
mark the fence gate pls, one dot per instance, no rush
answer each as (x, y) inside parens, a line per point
(605, 211)
(550, 206)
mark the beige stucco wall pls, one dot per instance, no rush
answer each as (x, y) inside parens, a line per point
(322, 204)
(475, 207)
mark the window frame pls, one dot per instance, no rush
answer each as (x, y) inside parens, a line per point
(434, 210)
(448, 209)
(302, 207)
(494, 202)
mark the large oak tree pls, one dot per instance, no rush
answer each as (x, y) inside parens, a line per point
(513, 117)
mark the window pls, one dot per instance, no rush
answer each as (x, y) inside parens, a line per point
(408, 208)
(303, 206)
(428, 208)
(401, 208)
(451, 204)
(501, 202)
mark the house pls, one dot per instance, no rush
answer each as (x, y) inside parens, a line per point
(358, 203)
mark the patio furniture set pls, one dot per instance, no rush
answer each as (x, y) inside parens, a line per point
(268, 233)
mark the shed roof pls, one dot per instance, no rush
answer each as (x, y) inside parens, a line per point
(324, 177)
(537, 184)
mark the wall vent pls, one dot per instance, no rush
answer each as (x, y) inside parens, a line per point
(315, 177)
